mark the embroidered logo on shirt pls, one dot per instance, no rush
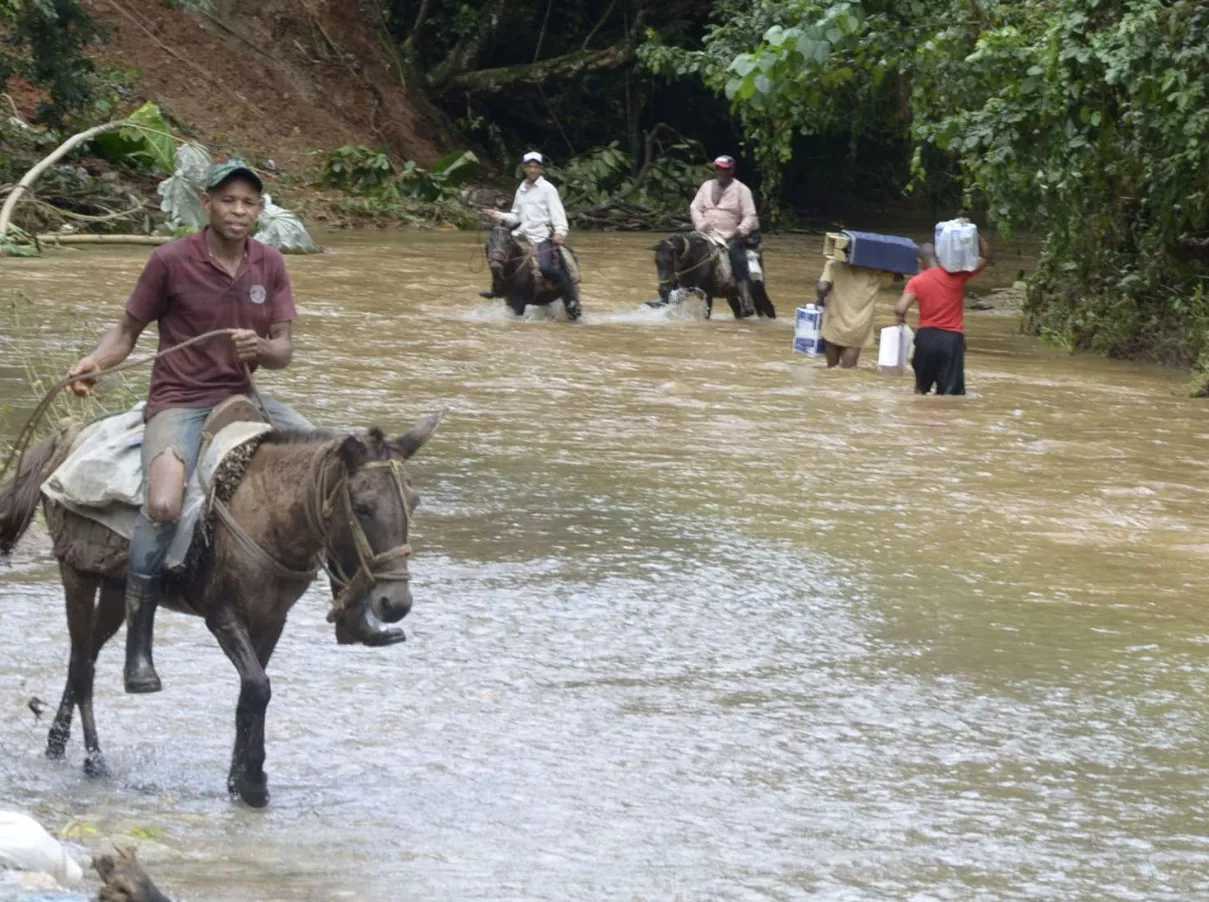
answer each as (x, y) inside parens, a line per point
(257, 294)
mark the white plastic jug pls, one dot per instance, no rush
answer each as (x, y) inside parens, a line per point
(894, 349)
(957, 245)
(808, 331)
(753, 266)
(25, 846)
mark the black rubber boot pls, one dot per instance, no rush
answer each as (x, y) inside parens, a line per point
(487, 294)
(746, 307)
(142, 598)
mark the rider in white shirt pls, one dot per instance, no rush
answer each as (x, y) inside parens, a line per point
(537, 211)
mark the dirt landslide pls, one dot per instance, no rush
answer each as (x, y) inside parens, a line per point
(272, 80)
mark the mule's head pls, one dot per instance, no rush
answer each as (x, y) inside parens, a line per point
(666, 255)
(370, 532)
(500, 249)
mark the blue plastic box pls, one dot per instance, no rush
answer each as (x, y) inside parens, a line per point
(885, 252)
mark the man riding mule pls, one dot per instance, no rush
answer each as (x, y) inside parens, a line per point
(537, 214)
(283, 503)
(725, 210)
(217, 278)
(716, 260)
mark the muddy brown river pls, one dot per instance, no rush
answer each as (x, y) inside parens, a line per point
(695, 619)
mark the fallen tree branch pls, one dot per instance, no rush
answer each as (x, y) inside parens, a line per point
(571, 65)
(10, 203)
(144, 240)
(82, 217)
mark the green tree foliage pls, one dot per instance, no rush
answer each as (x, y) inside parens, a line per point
(43, 41)
(1085, 120)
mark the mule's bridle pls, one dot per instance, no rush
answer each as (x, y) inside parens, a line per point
(681, 258)
(372, 567)
(523, 254)
(321, 502)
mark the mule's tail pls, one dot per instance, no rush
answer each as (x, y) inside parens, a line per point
(19, 499)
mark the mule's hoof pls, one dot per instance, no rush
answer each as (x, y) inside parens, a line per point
(253, 792)
(95, 766)
(56, 743)
(142, 683)
(383, 637)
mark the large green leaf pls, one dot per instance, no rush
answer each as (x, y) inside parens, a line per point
(455, 168)
(147, 144)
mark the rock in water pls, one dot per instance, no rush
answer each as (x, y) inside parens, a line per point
(125, 880)
(25, 846)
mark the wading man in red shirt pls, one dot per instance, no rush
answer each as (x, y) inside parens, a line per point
(218, 278)
(940, 347)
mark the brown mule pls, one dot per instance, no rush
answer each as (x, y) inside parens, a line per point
(304, 500)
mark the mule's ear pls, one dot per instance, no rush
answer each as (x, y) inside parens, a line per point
(414, 438)
(353, 452)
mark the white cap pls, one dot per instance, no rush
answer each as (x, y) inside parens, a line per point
(533, 157)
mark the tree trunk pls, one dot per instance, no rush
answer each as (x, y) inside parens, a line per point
(466, 53)
(572, 65)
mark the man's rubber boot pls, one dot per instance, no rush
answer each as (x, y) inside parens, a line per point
(487, 294)
(571, 305)
(746, 307)
(142, 598)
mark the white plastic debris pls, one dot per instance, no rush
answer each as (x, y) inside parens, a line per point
(25, 846)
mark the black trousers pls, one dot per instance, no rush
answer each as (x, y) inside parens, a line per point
(939, 362)
(550, 262)
(737, 251)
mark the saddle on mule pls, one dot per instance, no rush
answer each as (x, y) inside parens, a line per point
(100, 476)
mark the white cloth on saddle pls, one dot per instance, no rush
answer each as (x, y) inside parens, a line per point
(102, 477)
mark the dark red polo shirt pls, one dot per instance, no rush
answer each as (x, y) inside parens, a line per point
(185, 290)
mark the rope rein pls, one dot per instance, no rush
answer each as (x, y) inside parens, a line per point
(320, 503)
(680, 259)
(25, 437)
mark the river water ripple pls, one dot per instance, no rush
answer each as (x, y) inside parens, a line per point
(695, 619)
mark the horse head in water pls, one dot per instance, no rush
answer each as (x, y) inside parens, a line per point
(303, 498)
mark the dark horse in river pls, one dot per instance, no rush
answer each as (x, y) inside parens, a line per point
(689, 260)
(517, 278)
(303, 499)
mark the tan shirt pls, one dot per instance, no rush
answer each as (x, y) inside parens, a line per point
(848, 314)
(728, 212)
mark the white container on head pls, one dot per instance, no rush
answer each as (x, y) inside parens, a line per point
(957, 245)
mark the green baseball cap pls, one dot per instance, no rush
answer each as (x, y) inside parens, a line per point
(221, 172)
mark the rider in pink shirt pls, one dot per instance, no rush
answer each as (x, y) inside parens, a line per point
(724, 208)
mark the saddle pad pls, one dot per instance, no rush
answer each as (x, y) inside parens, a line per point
(102, 477)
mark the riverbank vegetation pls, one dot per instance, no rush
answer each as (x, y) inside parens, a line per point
(1085, 122)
